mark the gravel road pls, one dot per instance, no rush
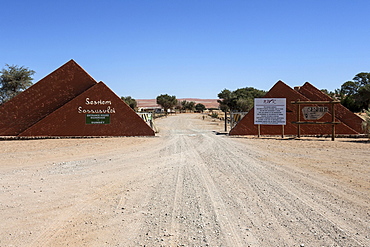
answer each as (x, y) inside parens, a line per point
(189, 186)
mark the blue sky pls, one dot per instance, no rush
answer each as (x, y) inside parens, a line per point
(187, 48)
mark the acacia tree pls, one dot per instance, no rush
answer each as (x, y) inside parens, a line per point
(131, 102)
(166, 101)
(355, 94)
(364, 96)
(200, 107)
(187, 105)
(225, 100)
(182, 105)
(241, 99)
(14, 80)
(244, 104)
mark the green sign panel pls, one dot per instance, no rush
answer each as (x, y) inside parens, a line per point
(97, 118)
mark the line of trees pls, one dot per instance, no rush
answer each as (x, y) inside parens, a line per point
(240, 100)
(186, 105)
(170, 102)
(190, 106)
(354, 94)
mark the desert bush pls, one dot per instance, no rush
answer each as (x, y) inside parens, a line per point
(366, 123)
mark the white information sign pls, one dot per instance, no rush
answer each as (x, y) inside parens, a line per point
(270, 111)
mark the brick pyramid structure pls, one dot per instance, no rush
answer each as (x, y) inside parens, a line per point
(308, 93)
(341, 112)
(69, 102)
(43, 98)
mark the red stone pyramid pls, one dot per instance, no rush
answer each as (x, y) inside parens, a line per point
(280, 90)
(43, 98)
(69, 102)
(342, 113)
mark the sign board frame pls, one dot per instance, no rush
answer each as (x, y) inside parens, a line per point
(270, 111)
(299, 122)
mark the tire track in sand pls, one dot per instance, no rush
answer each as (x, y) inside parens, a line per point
(224, 216)
(174, 225)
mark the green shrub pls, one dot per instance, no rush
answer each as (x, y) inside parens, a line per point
(366, 123)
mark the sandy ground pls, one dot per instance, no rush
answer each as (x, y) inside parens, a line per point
(189, 186)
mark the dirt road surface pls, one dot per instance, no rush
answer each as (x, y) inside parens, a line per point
(189, 186)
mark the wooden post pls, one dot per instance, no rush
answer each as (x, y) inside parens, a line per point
(225, 121)
(231, 120)
(299, 119)
(282, 133)
(333, 120)
(259, 130)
